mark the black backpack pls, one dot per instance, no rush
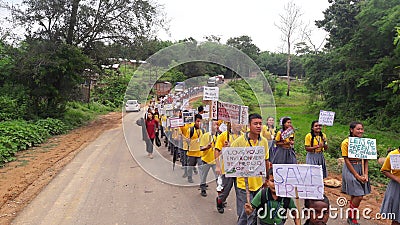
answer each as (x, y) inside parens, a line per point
(191, 132)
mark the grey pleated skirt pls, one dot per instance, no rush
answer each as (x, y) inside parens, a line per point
(350, 185)
(391, 202)
(284, 156)
(317, 159)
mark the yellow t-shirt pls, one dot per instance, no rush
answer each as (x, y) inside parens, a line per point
(219, 144)
(255, 183)
(194, 145)
(345, 147)
(185, 138)
(317, 140)
(267, 133)
(278, 138)
(208, 155)
(386, 165)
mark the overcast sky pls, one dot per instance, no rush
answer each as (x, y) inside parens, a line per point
(233, 18)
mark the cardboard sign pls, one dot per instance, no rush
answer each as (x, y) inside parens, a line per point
(326, 118)
(169, 113)
(188, 117)
(169, 107)
(287, 133)
(244, 161)
(210, 93)
(214, 110)
(223, 127)
(231, 112)
(176, 122)
(307, 178)
(395, 162)
(362, 148)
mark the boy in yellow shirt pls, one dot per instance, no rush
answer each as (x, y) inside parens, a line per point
(207, 144)
(193, 134)
(224, 140)
(251, 138)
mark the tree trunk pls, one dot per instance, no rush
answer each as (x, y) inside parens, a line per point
(288, 68)
(72, 21)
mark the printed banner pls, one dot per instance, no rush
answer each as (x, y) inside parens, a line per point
(362, 148)
(395, 162)
(244, 161)
(326, 118)
(176, 122)
(214, 110)
(307, 178)
(210, 93)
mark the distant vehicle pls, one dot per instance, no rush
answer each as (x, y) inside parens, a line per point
(162, 88)
(132, 106)
(220, 78)
(212, 82)
(180, 86)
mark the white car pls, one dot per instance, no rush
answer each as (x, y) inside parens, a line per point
(132, 106)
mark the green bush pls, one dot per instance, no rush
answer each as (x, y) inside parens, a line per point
(53, 126)
(19, 135)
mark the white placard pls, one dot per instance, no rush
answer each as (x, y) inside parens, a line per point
(210, 93)
(176, 122)
(326, 118)
(232, 112)
(395, 162)
(214, 110)
(223, 127)
(169, 107)
(362, 148)
(188, 117)
(307, 178)
(244, 161)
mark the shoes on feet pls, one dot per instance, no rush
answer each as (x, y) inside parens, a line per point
(220, 206)
(203, 193)
(190, 180)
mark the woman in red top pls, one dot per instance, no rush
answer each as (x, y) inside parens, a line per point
(151, 128)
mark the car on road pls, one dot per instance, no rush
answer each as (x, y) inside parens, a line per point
(132, 106)
(212, 82)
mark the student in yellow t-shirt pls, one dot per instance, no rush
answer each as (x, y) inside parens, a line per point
(224, 140)
(207, 144)
(193, 134)
(390, 204)
(284, 153)
(315, 143)
(355, 182)
(251, 138)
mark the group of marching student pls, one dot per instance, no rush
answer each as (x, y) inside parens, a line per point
(202, 148)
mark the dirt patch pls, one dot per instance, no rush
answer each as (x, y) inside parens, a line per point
(23, 179)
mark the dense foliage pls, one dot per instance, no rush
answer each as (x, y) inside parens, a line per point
(360, 61)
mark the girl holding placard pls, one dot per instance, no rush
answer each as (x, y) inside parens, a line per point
(354, 177)
(391, 201)
(315, 143)
(284, 141)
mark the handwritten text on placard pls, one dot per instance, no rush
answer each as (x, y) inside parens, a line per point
(307, 178)
(326, 117)
(362, 148)
(244, 161)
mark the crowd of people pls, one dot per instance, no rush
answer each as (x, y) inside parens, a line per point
(199, 144)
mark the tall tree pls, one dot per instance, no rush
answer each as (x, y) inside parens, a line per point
(289, 25)
(83, 23)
